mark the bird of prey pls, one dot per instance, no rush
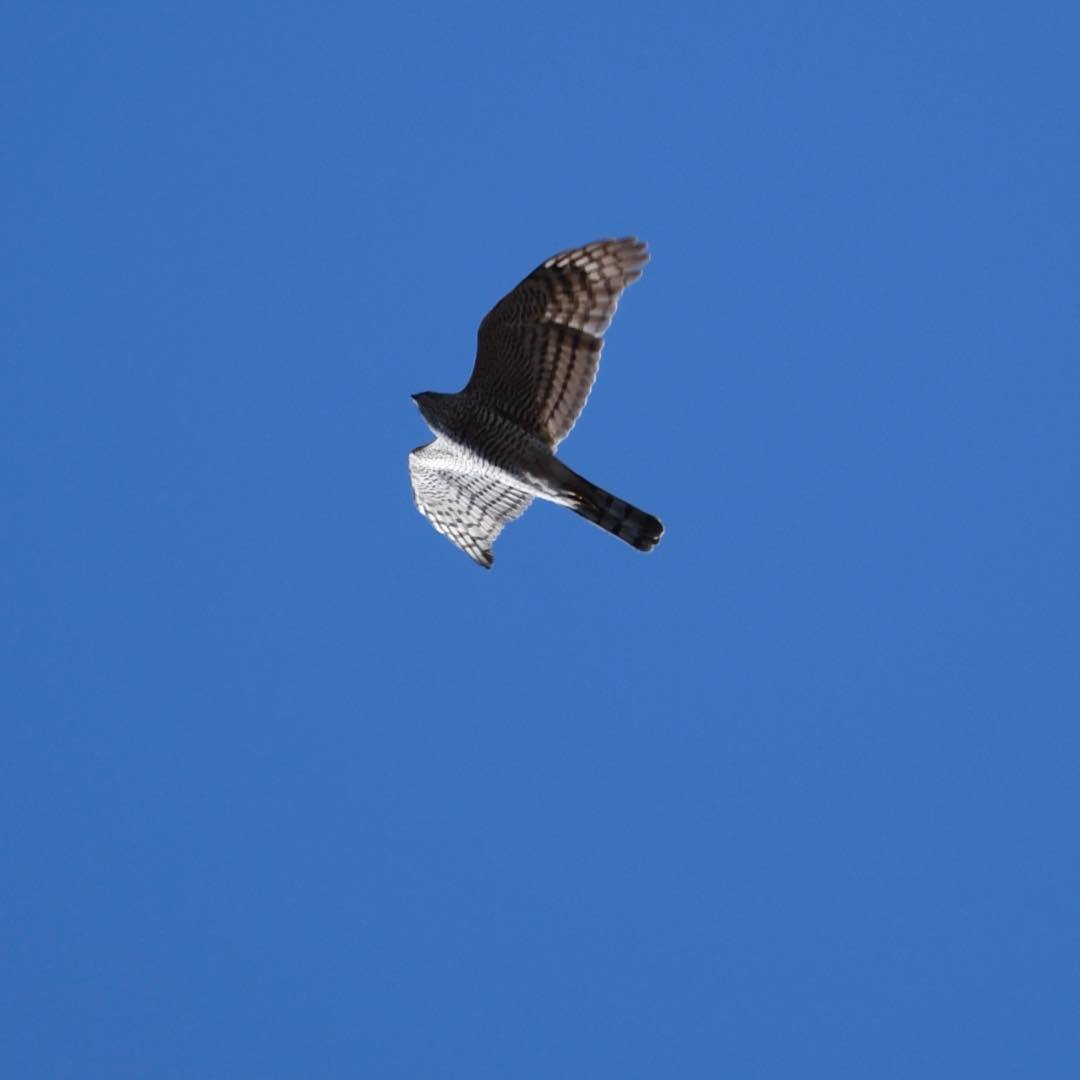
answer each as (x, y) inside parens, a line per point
(536, 358)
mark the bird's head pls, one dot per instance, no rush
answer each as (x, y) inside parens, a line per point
(431, 406)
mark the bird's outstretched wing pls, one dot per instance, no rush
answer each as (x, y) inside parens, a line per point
(539, 347)
(468, 507)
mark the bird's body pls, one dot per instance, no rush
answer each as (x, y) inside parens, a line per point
(485, 440)
(536, 360)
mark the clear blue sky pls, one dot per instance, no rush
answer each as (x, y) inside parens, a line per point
(290, 788)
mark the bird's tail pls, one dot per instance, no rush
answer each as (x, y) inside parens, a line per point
(638, 529)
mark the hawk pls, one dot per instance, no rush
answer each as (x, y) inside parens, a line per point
(536, 359)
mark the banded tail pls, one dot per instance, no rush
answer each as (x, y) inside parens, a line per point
(628, 523)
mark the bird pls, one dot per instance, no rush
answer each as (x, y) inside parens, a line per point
(536, 358)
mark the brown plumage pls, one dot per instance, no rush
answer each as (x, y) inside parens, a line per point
(537, 354)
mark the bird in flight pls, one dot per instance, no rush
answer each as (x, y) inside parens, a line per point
(537, 354)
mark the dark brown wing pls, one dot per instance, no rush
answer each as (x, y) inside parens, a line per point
(539, 347)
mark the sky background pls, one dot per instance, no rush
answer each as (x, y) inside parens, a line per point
(290, 788)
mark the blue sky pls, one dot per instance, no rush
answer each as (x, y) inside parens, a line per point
(291, 788)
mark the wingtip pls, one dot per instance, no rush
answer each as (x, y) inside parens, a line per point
(630, 252)
(634, 254)
(633, 243)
